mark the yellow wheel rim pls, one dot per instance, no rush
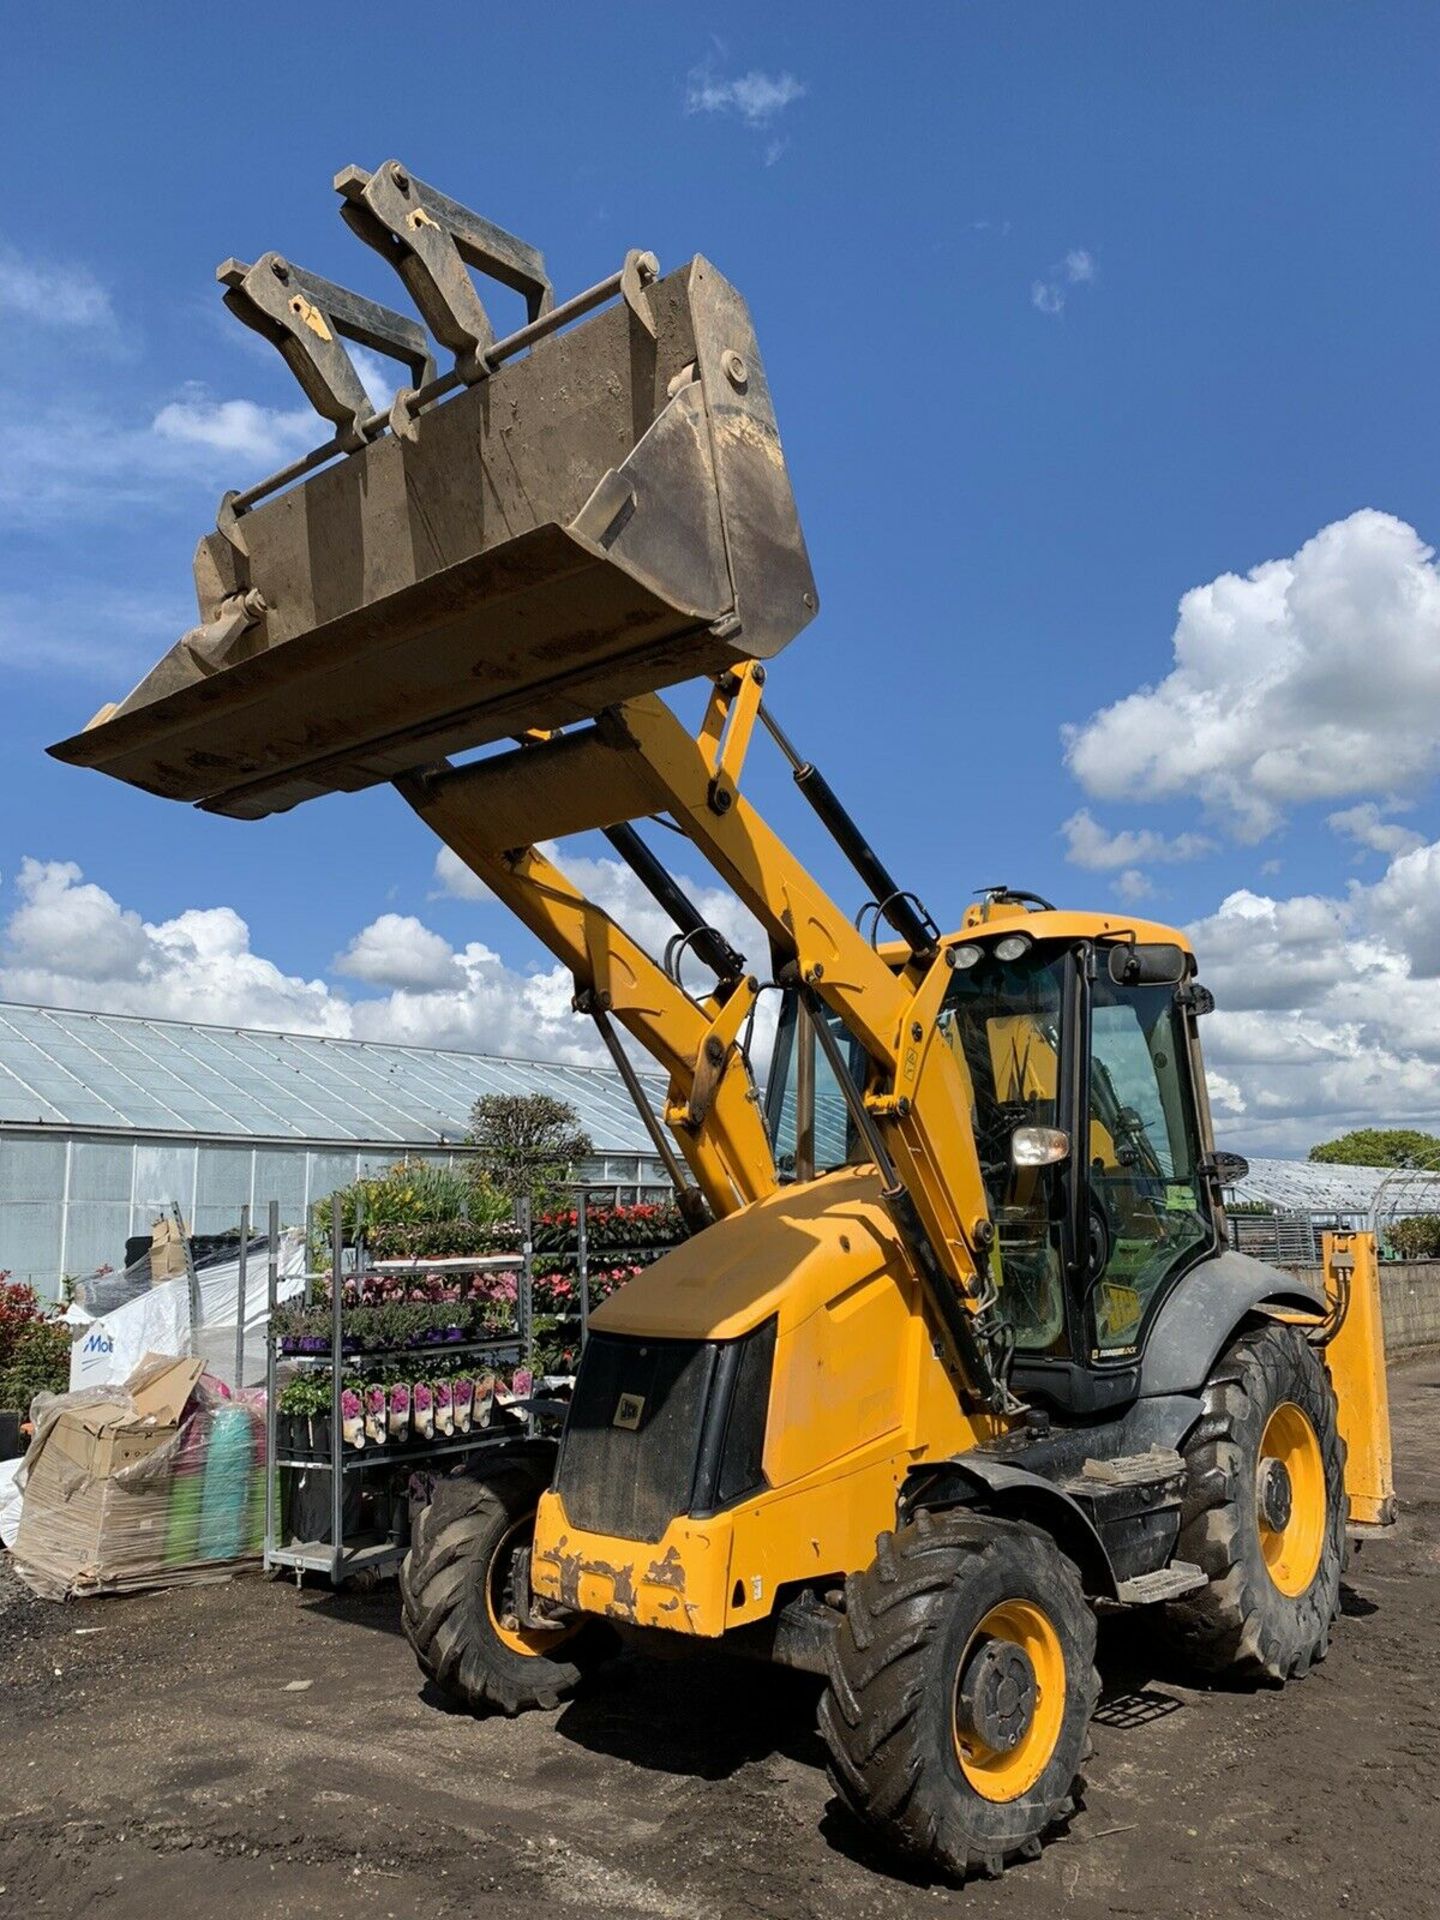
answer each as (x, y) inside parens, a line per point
(1293, 1549)
(527, 1640)
(1006, 1774)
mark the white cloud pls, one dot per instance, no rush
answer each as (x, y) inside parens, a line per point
(455, 881)
(379, 375)
(1405, 904)
(397, 950)
(71, 925)
(67, 462)
(1132, 885)
(70, 943)
(755, 97)
(1076, 269)
(1088, 844)
(1328, 1015)
(1367, 825)
(51, 294)
(1312, 678)
(263, 435)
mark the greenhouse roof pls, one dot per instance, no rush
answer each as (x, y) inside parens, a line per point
(119, 1072)
(1313, 1187)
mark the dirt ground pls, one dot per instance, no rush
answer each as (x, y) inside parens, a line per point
(250, 1749)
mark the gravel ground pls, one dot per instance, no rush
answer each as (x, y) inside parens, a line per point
(250, 1749)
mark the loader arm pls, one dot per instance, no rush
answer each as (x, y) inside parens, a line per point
(913, 1110)
(728, 1151)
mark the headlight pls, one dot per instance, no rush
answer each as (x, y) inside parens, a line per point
(1013, 947)
(963, 957)
(1039, 1146)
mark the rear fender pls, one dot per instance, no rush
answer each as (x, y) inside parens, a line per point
(1207, 1309)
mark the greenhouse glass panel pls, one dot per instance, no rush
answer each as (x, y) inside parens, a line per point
(31, 1169)
(100, 1170)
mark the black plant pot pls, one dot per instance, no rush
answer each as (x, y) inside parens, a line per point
(320, 1436)
(310, 1507)
(10, 1434)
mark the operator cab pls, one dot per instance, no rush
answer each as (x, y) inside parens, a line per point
(1075, 1035)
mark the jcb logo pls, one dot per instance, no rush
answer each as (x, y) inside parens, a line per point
(628, 1409)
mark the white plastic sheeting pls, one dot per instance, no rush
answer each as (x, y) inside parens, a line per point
(158, 1320)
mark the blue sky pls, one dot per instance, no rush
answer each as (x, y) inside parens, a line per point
(1070, 313)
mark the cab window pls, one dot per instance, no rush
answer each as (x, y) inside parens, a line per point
(1149, 1207)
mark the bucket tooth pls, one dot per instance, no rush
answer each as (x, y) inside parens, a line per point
(432, 241)
(306, 317)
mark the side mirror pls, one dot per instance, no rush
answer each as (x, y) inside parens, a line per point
(1039, 1146)
(1158, 964)
(1230, 1168)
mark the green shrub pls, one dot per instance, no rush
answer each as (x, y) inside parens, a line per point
(1417, 1238)
(39, 1363)
(528, 1143)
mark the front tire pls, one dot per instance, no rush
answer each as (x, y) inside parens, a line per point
(457, 1592)
(961, 1684)
(1264, 1513)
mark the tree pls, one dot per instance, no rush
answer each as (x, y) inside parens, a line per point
(1380, 1147)
(527, 1141)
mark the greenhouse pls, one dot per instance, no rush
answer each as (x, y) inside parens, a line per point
(108, 1121)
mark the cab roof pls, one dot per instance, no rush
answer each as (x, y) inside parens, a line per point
(990, 917)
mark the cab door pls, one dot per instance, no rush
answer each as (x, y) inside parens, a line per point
(1148, 1212)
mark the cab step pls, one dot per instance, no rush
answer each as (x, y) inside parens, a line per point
(1166, 1583)
(1134, 1469)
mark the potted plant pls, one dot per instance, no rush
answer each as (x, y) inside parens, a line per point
(444, 1410)
(320, 1439)
(462, 1394)
(352, 1414)
(292, 1419)
(375, 1404)
(484, 1403)
(422, 1411)
(398, 1421)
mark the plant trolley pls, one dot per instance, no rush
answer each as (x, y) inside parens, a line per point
(338, 1490)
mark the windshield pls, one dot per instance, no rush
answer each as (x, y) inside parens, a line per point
(1149, 1205)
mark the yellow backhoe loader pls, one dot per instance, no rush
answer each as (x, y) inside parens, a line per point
(956, 1354)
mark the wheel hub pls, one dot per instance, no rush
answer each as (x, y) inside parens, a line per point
(1276, 1494)
(995, 1701)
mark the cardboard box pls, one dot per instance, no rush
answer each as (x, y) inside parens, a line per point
(167, 1250)
(92, 1519)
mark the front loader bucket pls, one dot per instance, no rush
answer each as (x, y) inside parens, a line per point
(595, 513)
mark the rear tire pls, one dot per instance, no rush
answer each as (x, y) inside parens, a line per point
(456, 1587)
(1272, 1544)
(944, 1597)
